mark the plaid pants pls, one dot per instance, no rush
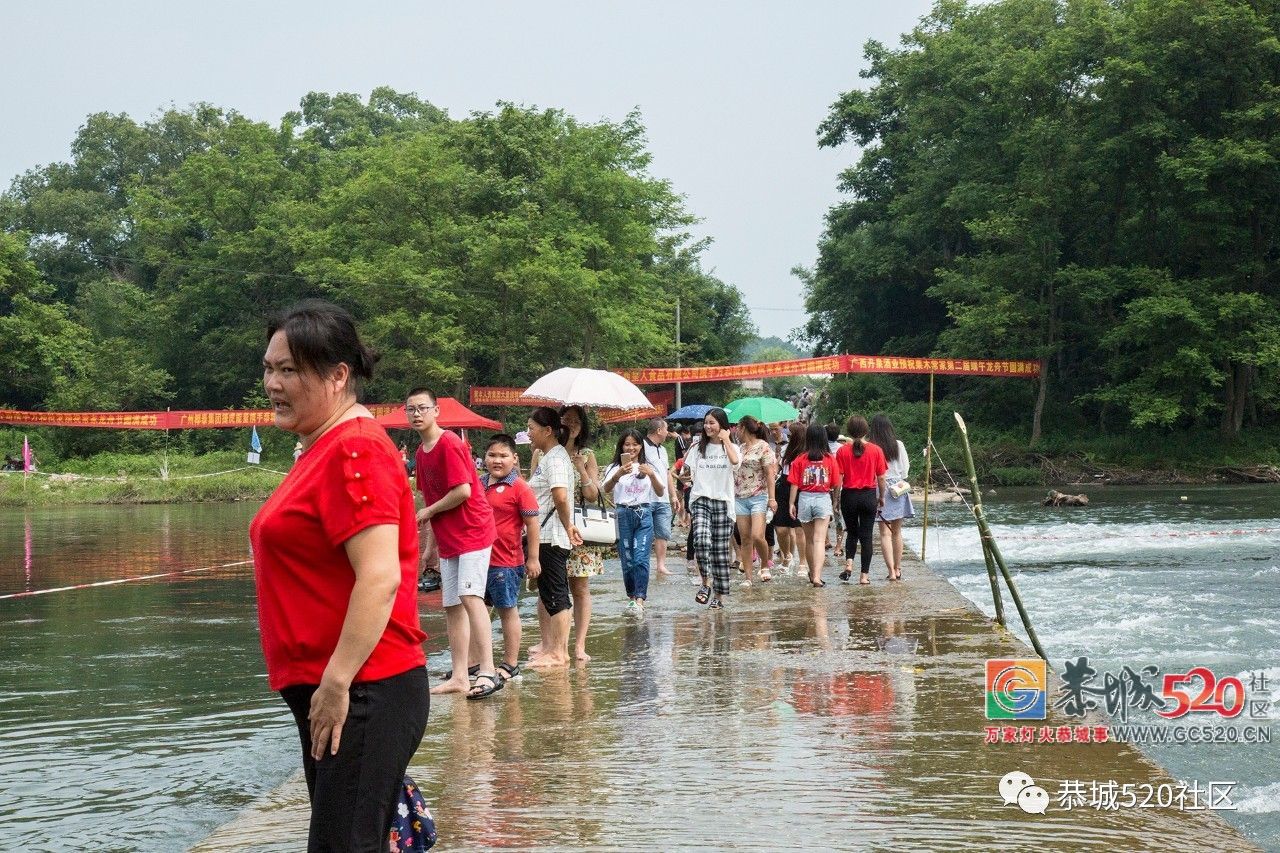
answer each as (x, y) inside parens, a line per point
(712, 541)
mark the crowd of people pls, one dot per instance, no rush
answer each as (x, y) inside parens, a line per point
(340, 547)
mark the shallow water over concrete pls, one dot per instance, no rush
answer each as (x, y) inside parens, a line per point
(842, 718)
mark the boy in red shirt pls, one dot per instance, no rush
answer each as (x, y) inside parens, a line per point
(515, 511)
(463, 524)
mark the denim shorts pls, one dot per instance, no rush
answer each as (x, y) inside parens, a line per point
(661, 511)
(503, 587)
(811, 506)
(754, 505)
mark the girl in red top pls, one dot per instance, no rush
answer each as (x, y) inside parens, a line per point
(813, 477)
(335, 552)
(862, 466)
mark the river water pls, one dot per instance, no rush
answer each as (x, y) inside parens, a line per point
(1143, 576)
(135, 717)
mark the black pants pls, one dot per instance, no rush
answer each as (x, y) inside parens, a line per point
(354, 792)
(859, 507)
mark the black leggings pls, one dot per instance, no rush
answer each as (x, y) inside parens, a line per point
(859, 507)
(354, 792)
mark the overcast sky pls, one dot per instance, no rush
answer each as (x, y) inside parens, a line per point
(731, 92)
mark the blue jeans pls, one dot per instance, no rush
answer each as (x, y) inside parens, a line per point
(635, 540)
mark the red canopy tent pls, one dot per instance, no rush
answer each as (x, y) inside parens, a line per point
(453, 415)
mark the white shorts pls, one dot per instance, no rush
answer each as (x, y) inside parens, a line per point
(465, 574)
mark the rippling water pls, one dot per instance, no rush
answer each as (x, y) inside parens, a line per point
(133, 716)
(1141, 576)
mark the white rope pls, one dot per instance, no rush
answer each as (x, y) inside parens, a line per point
(80, 477)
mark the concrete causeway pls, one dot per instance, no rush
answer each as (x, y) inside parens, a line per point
(844, 718)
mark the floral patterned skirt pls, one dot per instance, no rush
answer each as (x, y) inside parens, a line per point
(587, 561)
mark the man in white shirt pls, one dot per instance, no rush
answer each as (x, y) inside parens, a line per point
(662, 508)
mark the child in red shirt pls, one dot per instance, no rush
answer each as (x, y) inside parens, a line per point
(515, 512)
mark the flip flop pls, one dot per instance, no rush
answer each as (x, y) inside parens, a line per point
(480, 690)
(704, 593)
(472, 672)
(845, 575)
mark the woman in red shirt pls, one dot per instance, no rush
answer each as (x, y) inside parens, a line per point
(862, 467)
(813, 476)
(335, 552)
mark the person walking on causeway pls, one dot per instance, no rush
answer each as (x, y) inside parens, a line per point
(635, 485)
(711, 461)
(463, 524)
(862, 469)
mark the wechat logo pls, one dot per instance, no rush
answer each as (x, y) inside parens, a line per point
(1019, 789)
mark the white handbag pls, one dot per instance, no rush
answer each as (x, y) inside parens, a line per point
(596, 524)
(900, 488)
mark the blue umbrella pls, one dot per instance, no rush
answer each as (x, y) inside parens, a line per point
(694, 412)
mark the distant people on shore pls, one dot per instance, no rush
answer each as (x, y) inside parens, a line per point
(335, 559)
(894, 508)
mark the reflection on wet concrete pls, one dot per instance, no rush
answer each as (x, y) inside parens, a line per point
(843, 718)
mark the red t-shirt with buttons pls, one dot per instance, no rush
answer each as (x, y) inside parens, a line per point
(512, 501)
(349, 480)
(860, 472)
(469, 525)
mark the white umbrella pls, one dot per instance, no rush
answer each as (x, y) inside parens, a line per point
(582, 386)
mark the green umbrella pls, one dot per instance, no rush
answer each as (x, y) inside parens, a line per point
(769, 410)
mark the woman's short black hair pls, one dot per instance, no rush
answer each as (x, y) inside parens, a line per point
(505, 440)
(545, 416)
(321, 336)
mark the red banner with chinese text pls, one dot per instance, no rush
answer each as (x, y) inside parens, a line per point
(212, 419)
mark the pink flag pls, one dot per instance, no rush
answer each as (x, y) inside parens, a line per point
(26, 456)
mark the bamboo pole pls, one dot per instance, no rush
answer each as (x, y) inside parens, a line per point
(995, 584)
(990, 543)
(928, 471)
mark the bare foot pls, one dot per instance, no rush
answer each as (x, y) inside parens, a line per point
(863, 580)
(582, 655)
(535, 650)
(547, 661)
(662, 570)
(453, 685)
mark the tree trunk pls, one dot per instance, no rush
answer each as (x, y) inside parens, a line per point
(1039, 410)
(1239, 377)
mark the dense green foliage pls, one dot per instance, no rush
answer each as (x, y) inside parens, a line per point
(485, 250)
(1094, 183)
